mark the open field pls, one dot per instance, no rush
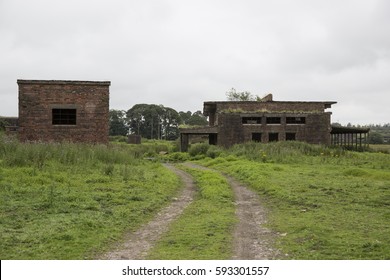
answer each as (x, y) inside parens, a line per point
(67, 201)
(325, 204)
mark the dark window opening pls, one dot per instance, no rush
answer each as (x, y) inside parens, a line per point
(256, 137)
(273, 120)
(213, 139)
(251, 120)
(295, 120)
(273, 137)
(64, 116)
(290, 136)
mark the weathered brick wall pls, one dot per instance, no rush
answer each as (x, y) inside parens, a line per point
(38, 98)
(231, 130)
(316, 130)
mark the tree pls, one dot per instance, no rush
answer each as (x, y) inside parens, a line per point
(118, 123)
(336, 124)
(184, 117)
(196, 118)
(170, 120)
(233, 95)
(153, 121)
(375, 138)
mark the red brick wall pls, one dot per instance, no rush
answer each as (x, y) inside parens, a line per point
(38, 98)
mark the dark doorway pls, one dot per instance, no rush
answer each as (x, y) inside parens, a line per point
(213, 138)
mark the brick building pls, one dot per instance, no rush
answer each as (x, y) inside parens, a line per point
(54, 111)
(233, 122)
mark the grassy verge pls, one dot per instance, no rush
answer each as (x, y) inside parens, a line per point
(68, 201)
(204, 230)
(326, 204)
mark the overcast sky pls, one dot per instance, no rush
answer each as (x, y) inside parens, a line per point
(179, 53)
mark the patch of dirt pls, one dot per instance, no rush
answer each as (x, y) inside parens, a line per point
(138, 243)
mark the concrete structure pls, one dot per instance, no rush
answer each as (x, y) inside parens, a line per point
(233, 122)
(54, 111)
(350, 137)
(134, 139)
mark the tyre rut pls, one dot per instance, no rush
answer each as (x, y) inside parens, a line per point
(252, 240)
(138, 243)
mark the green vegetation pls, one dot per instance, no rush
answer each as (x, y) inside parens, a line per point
(325, 203)
(204, 230)
(71, 201)
(381, 148)
(379, 134)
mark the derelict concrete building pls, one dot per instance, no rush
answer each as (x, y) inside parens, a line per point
(57, 110)
(233, 122)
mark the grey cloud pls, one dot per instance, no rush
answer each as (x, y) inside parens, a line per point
(180, 53)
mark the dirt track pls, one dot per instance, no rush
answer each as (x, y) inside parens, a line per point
(251, 239)
(137, 244)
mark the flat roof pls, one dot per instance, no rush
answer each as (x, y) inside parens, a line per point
(199, 130)
(346, 130)
(249, 102)
(63, 82)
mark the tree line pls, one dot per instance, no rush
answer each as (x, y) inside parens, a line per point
(153, 121)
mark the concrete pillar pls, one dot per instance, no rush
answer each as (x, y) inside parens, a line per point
(184, 139)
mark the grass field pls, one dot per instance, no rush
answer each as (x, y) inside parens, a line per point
(68, 201)
(382, 148)
(325, 203)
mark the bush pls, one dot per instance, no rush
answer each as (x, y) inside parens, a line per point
(213, 152)
(198, 149)
(118, 138)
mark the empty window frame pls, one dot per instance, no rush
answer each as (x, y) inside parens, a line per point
(295, 120)
(256, 137)
(251, 120)
(64, 116)
(273, 137)
(273, 120)
(290, 136)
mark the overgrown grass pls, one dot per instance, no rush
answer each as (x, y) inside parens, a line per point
(381, 148)
(68, 201)
(325, 203)
(71, 201)
(204, 230)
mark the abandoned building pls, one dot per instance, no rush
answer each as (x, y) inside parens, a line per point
(234, 122)
(55, 111)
